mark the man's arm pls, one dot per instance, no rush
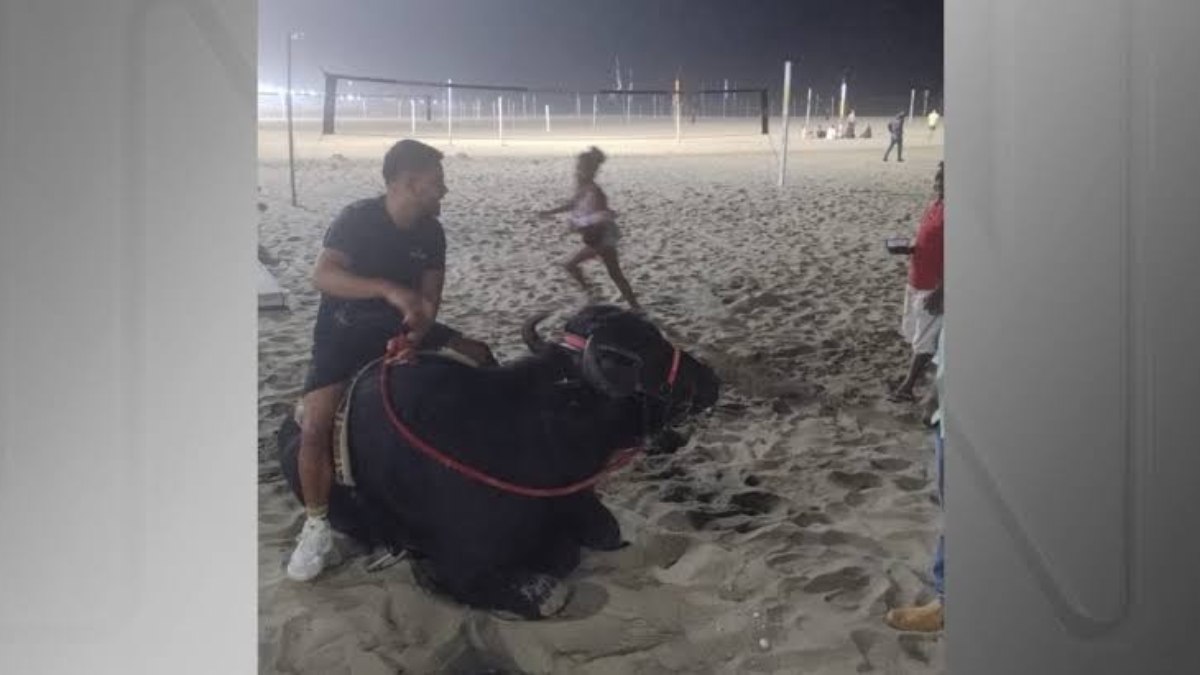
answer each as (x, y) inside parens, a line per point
(333, 277)
(432, 282)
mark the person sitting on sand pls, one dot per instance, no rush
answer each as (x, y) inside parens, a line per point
(381, 270)
(920, 325)
(591, 217)
(930, 617)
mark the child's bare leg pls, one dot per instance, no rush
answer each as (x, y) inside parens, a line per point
(613, 264)
(572, 266)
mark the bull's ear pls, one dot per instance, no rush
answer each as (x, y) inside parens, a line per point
(614, 371)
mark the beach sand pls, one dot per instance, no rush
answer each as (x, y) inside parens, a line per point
(795, 515)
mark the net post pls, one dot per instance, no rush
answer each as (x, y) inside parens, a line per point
(500, 118)
(547, 118)
(808, 111)
(678, 114)
(450, 111)
(764, 105)
(330, 104)
(842, 105)
(787, 98)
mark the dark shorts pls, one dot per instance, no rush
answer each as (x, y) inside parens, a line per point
(339, 353)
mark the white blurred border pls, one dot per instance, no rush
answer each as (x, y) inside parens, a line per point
(1072, 320)
(127, 337)
(127, 186)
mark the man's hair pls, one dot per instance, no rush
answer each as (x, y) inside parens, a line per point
(593, 155)
(409, 155)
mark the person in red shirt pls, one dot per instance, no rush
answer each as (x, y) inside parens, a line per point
(923, 295)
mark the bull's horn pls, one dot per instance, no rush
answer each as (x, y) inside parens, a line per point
(530, 335)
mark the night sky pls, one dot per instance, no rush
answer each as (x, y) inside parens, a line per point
(887, 45)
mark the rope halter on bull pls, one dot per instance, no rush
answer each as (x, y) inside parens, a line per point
(400, 351)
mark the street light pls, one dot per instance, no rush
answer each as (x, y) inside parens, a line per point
(292, 37)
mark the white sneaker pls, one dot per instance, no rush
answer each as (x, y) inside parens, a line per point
(313, 550)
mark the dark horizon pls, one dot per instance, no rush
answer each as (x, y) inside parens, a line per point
(885, 47)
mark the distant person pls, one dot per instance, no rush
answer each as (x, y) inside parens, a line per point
(850, 121)
(381, 270)
(920, 325)
(896, 129)
(596, 223)
(933, 120)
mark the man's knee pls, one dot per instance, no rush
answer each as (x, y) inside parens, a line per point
(320, 407)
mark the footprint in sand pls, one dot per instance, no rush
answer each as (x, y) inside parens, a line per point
(861, 480)
(855, 498)
(810, 518)
(755, 502)
(844, 579)
(699, 519)
(890, 464)
(677, 494)
(910, 483)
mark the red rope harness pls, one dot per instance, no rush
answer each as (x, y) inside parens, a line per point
(400, 346)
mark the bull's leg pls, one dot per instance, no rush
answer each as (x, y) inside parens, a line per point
(592, 524)
(529, 595)
(559, 557)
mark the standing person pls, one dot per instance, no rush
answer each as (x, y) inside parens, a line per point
(925, 273)
(934, 118)
(896, 128)
(591, 217)
(930, 617)
(381, 270)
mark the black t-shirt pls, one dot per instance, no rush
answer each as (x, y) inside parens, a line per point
(378, 249)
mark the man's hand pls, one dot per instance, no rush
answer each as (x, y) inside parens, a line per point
(935, 302)
(417, 311)
(419, 320)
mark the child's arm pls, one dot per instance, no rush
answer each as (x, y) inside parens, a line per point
(557, 210)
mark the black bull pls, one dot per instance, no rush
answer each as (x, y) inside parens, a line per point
(543, 421)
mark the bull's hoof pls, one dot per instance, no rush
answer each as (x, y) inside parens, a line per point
(538, 596)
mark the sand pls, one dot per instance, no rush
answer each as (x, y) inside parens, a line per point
(795, 515)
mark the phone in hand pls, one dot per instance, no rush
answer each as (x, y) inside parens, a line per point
(897, 245)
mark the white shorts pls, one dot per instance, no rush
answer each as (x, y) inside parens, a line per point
(918, 326)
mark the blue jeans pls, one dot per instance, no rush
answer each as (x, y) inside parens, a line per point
(939, 558)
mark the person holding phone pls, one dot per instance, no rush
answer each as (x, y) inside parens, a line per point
(923, 295)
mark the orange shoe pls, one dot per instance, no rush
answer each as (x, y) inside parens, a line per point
(928, 618)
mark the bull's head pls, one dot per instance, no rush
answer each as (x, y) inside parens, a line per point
(622, 354)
